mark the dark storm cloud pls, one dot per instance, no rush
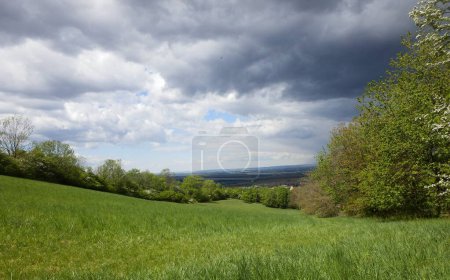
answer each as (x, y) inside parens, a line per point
(282, 42)
(317, 49)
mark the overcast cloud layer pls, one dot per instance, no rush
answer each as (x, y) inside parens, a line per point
(138, 79)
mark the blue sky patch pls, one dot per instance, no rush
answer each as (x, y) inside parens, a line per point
(142, 93)
(214, 115)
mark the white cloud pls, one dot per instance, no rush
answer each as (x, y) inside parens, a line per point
(290, 132)
(35, 68)
(136, 81)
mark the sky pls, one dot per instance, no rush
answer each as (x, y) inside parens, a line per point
(139, 80)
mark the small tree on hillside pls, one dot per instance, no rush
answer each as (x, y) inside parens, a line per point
(14, 132)
(59, 159)
(112, 173)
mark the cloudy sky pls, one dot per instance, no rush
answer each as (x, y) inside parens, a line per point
(137, 80)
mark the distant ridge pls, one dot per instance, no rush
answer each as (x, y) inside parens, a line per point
(267, 175)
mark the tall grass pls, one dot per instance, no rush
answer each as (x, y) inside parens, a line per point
(50, 231)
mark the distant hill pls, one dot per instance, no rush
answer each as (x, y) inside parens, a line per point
(267, 176)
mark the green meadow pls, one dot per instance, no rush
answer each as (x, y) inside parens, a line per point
(50, 231)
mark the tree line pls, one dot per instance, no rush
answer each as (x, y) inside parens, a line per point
(393, 159)
(56, 162)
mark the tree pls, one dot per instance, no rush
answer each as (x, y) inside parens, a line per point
(314, 200)
(394, 158)
(192, 185)
(277, 197)
(212, 190)
(112, 173)
(339, 166)
(433, 24)
(399, 117)
(138, 182)
(14, 132)
(8, 165)
(168, 177)
(56, 161)
(431, 18)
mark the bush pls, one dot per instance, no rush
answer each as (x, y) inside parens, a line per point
(313, 200)
(201, 196)
(276, 197)
(172, 196)
(8, 166)
(219, 194)
(294, 198)
(250, 195)
(233, 193)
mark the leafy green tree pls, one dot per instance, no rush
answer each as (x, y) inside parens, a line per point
(251, 195)
(137, 182)
(172, 196)
(132, 182)
(192, 187)
(393, 159)
(340, 165)
(314, 200)
(54, 161)
(9, 166)
(433, 36)
(168, 177)
(92, 181)
(112, 173)
(401, 115)
(277, 197)
(212, 191)
(149, 180)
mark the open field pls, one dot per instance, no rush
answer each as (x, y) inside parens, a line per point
(57, 232)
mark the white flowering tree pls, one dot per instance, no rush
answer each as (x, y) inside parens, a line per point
(432, 20)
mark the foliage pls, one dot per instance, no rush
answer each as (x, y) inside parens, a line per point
(57, 162)
(315, 201)
(14, 132)
(338, 168)
(198, 189)
(173, 196)
(277, 197)
(294, 197)
(431, 19)
(54, 161)
(394, 158)
(8, 166)
(274, 197)
(251, 195)
(112, 173)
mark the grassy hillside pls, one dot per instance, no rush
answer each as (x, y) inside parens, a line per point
(53, 231)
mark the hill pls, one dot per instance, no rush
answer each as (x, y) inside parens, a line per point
(61, 232)
(263, 176)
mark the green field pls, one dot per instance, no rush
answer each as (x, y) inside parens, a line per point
(50, 231)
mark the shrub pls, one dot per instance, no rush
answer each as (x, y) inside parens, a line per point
(294, 198)
(250, 195)
(233, 193)
(314, 200)
(219, 194)
(276, 197)
(8, 166)
(172, 196)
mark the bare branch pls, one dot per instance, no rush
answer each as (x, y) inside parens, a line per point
(14, 132)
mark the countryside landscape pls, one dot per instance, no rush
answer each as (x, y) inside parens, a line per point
(329, 156)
